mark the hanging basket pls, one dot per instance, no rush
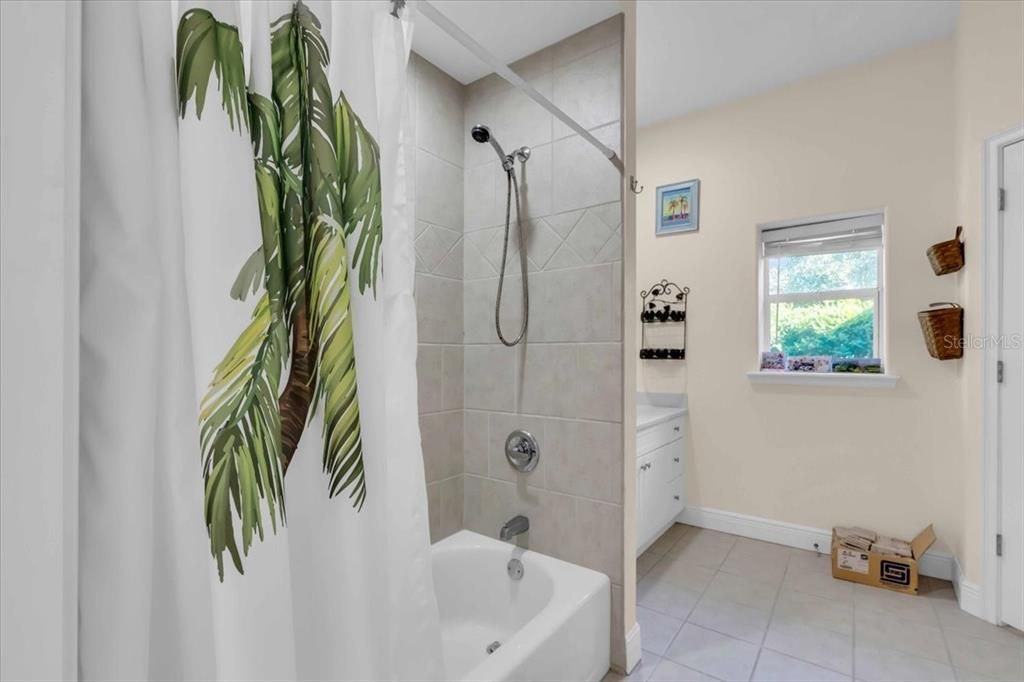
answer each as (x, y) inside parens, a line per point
(943, 330)
(947, 257)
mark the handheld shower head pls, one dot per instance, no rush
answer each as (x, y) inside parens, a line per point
(482, 134)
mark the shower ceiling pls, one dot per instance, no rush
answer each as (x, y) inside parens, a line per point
(509, 29)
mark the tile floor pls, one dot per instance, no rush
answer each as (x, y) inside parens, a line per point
(716, 606)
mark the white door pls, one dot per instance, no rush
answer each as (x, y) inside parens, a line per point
(1011, 389)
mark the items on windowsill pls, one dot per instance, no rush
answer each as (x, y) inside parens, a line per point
(776, 361)
(948, 256)
(943, 330)
(862, 556)
(663, 303)
(809, 363)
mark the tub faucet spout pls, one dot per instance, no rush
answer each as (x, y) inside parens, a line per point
(517, 525)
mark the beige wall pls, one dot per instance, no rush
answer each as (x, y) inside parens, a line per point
(877, 135)
(989, 44)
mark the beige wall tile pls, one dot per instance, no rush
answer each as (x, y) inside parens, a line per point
(434, 510)
(578, 456)
(441, 435)
(439, 186)
(581, 175)
(429, 378)
(608, 32)
(599, 528)
(450, 517)
(438, 309)
(590, 90)
(491, 377)
(452, 380)
(439, 115)
(476, 437)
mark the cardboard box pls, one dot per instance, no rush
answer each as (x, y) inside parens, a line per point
(881, 570)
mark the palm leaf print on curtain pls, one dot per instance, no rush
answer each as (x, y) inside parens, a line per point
(318, 184)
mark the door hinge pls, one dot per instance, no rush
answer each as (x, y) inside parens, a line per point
(999, 544)
(999, 371)
(1002, 199)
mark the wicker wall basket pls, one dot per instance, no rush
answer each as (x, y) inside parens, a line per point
(943, 330)
(947, 257)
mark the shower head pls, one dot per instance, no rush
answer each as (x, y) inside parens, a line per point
(482, 134)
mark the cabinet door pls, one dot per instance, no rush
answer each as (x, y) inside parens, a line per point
(663, 486)
(643, 514)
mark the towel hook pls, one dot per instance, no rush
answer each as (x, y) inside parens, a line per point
(634, 185)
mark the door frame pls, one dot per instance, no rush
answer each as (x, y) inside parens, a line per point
(992, 276)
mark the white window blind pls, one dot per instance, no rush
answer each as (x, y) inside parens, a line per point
(827, 236)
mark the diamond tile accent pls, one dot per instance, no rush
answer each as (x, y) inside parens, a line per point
(433, 244)
(563, 240)
(610, 214)
(541, 242)
(563, 223)
(565, 257)
(589, 235)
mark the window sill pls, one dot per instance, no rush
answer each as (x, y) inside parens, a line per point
(825, 379)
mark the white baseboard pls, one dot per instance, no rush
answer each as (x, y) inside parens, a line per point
(935, 564)
(633, 648)
(968, 594)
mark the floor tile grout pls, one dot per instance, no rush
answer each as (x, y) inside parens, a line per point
(907, 655)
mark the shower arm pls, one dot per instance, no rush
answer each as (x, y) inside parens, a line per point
(449, 27)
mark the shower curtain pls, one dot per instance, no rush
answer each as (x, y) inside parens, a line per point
(252, 492)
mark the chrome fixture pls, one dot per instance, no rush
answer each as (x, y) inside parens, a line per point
(517, 525)
(522, 451)
(515, 569)
(492, 647)
(482, 134)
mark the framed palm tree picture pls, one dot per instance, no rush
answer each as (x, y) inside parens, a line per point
(678, 208)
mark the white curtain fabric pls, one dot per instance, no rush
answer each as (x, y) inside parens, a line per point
(170, 214)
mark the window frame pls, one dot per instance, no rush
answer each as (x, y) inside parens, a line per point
(877, 294)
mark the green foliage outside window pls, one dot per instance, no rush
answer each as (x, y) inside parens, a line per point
(840, 327)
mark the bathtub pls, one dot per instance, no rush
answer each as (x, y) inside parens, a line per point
(553, 624)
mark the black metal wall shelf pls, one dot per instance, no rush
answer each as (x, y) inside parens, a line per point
(663, 303)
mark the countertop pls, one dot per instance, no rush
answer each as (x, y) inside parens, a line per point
(650, 415)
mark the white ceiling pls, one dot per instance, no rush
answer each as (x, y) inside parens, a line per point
(509, 29)
(693, 55)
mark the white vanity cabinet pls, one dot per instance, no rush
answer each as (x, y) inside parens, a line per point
(659, 470)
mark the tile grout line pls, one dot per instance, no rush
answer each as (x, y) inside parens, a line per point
(686, 621)
(945, 642)
(495, 479)
(771, 613)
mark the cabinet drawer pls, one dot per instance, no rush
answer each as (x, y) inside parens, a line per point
(654, 437)
(666, 463)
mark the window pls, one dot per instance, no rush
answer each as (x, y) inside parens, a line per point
(821, 287)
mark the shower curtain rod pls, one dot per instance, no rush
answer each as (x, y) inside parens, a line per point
(449, 27)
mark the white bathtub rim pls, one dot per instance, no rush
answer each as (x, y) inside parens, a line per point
(558, 611)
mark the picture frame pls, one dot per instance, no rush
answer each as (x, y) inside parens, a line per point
(677, 208)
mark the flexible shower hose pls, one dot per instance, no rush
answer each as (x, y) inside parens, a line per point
(513, 187)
